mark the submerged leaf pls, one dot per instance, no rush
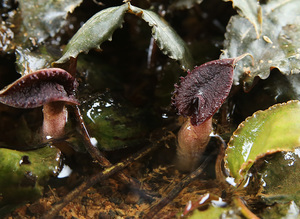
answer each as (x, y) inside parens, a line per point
(40, 87)
(94, 32)
(277, 47)
(265, 132)
(286, 167)
(166, 38)
(113, 123)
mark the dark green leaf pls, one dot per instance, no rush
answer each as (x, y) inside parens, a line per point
(94, 32)
(166, 38)
(114, 123)
(286, 167)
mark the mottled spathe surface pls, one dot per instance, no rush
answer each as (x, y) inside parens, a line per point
(203, 90)
(40, 87)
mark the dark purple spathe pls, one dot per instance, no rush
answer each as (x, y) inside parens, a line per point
(40, 87)
(203, 90)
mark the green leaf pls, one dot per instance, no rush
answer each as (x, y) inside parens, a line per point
(44, 18)
(275, 48)
(251, 10)
(94, 32)
(113, 123)
(23, 174)
(168, 41)
(265, 132)
(286, 167)
(210, 213)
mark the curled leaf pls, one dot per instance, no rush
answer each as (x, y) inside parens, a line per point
(40, 87)
(168, 41)
(94, 32)
(202, 92)
(265, 132)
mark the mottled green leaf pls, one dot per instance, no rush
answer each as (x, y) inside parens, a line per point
(251, 10)
(286, 167)
(44, 18)
(23, 174)
(94, 32)
(269, 131)
(166, 38)
(277, 47)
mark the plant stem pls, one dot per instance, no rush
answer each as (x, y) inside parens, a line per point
(95, 179)
(55, 118)
(98, 156)
(177, 189)
(92, 150)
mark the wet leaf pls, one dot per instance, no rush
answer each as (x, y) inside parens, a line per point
(286, 167)
(202, 92)
(265, 132)
(28, 61)
(23, 174)
(251, 10)
(113, 123)
(40, 87)
(94, 32)
(277, 47)
(42, 19)
(166, 38)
